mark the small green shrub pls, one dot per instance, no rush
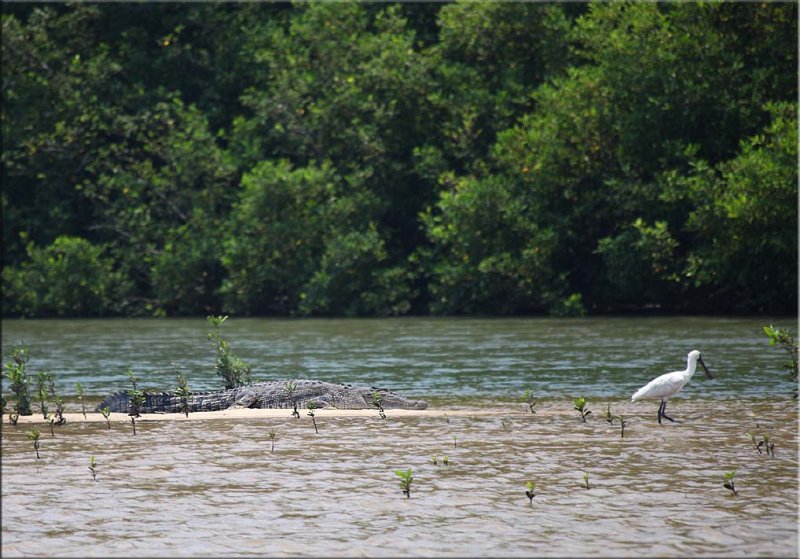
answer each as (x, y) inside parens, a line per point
(92, 464)
(311, 407)
(232, 369)
(33, 435)
(377, 401)
(529, 488)
(580, 405)
(20, 381)
(405, 481)
(106, 413)
(730, 481)
(530, 400)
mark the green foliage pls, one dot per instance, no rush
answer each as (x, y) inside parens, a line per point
(529, 490)
(183, 393)
(783, 339)
(311, 407)
(377, 401)
(579, 404)
(92, 466)
(405, 481)
(33, 435)
(232, 369)
(67, 278)
(20, 381)
(356, 159)
(106, 413)
(730, 481)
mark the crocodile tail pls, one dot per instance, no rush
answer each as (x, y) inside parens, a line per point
(117, 402)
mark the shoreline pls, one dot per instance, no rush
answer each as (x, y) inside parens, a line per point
(248, 413)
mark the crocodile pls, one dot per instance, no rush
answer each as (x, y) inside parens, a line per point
(270, 394)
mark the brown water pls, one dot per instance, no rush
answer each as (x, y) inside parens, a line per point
(213, 488)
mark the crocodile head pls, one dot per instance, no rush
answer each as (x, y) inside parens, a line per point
(394, 401)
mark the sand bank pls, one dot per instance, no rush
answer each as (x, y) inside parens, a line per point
(96, 417)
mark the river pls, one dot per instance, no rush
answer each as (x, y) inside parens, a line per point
(214, 488)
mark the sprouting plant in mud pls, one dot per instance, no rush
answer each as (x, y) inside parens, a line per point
(455, 441)
(529, 488)
(51, 419)
(183, 393)
(445, 461)
(405, 481)
(56, 399)
(79, 389)
(765, 442)
(586, 480)
(272, 436)
(34, 435)
(580, 405)
(233, 370)
(506, 424)
(311, 407)
(290, 388)
(92, 464)
(609, 417)
(13, 417)
(41, 392)
(20, 380)
(377, 401)
(730, 481)
(106, 413)
(137, 399)
(435, 460)
(447, 418)
(530, 400)
(622, 423)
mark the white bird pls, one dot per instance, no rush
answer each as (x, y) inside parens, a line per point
(669, 384)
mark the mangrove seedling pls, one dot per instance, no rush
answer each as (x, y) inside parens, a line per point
(233, 370)
(34, 436)
(20, 381)
(79, 389)
(447, 418)
(41, 392)
(311, 407)
(51, 419)
(529, 487)
(183, 393)
(272, 439)
(609, 417)
(435, 460)
(445, 461)
(730, 481)
(137, 399)
(529, 400)
(622, 424)
(56, 399)
(377, 401)
(768, 445)
(580, 405)
(92, 464)
(455, 441)
(106, 412)
(13, 417)
(586, 480)
(405, 481)
(289, 388)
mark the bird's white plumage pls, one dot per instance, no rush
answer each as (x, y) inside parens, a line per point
(664, 386)
(669, 384)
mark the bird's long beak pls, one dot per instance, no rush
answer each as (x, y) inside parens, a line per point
(708, 373)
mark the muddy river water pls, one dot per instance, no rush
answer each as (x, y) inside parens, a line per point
(215, 487)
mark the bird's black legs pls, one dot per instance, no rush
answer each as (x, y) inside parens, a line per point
(662, 413)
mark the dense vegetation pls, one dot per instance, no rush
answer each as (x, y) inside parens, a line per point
(378, 159)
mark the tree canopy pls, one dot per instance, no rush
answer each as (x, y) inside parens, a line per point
(377, 159)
